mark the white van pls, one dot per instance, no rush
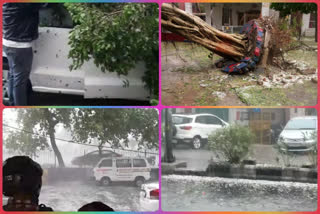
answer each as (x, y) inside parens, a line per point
(110, 170)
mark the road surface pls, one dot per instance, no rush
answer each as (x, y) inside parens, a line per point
(263, 154)
(191, 193)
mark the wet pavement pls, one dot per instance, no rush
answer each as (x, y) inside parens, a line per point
(70, 196)
(263, 154)
(191, 193)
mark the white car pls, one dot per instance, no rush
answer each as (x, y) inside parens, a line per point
(297, 134)
(109, 170)
(50, 68)
(196, 128)
(149, 197)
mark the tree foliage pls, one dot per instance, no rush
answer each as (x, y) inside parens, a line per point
(25, 143)
(116, 36)
(289, 8)
(114, 126)
(41, 122)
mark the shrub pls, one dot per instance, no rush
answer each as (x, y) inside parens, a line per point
(233, 142)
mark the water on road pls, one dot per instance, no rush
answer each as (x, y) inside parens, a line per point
(192, 193)
(70, 196)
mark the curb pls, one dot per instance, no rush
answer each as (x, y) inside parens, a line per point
(258, 172)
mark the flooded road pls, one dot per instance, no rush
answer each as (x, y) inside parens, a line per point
(70, 196)
(191, 193)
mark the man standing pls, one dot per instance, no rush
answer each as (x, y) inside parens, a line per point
(20, 27)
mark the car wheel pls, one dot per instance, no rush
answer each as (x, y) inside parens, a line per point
(139, 181)
(105, 181)
(196, 142)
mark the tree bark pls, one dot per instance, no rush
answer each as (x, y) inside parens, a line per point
(191, 27)
(51, 133)
(168, 155)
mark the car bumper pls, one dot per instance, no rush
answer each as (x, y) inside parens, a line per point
(149, 205)
(182, 139)
(297, 147)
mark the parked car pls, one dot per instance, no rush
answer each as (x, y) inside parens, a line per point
(128, 169)
(50, 68)
(92, 158)
(195, 129)
(149, 196)
(297, 134)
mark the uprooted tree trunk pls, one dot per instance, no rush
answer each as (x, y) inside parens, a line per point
(191, 27)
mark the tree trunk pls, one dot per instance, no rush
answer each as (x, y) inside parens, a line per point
(51, 132)
(168, 155)
(316, 27)
(191, 27)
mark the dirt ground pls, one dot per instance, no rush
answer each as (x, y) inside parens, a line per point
(189, 78)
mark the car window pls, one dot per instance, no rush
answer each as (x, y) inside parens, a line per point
(139, 163)
(201, 119)
(181, 120)
(55, 15)
(106, 163)
(122, 163)
(213, 121)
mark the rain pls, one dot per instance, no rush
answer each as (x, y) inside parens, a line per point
(73, 180)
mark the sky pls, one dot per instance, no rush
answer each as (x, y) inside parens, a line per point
(68, 150)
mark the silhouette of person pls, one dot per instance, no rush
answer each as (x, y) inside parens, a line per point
(96, 206)
(22, 184)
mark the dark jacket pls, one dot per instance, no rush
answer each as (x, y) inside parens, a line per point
(20, 21)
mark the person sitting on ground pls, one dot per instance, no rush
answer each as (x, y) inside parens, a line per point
(22, 184)
(96, 206)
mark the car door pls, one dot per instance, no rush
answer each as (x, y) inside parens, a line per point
(51, 74)
(103, 169)
(124, 169)
(200, 127)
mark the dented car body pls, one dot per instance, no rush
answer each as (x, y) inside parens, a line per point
(51, 74)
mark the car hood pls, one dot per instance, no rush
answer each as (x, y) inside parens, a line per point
(296, 134)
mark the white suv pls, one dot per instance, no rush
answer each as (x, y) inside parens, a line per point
(196, 128)
(50, 67)
(135, 170)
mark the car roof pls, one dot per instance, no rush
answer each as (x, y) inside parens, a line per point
(193, 115)
(122, 158)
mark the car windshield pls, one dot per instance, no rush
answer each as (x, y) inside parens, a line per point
(177, 120)
(301, 124)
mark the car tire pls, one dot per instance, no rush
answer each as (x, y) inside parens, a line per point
(196, 142)
(105, 181)
(139, 181)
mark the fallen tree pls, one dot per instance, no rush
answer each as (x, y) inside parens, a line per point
(195, 29)
(243, 51)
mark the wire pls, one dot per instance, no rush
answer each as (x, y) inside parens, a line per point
(71, 141)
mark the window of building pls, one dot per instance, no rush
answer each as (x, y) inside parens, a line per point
(227, 16)
(312, 21)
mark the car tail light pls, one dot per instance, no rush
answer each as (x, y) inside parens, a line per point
(154, 194)
(186, 127)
